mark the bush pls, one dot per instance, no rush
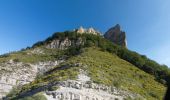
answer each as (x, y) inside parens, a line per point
(53, 88)
(4, 55)
(16, 60)
(38, 96)
(153, 95)
(116, 84)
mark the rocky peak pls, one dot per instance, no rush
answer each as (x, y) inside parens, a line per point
(116, 35)
(90, 30)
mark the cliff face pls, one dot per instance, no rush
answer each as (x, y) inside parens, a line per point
(64, 44)
(84, 89)
(13, 74)
(91, 30)
(117, 36)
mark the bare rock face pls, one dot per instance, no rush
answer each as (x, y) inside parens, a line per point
(91, 30)
(14, 74)
(84, 89)
(117, 36)
(64, 44)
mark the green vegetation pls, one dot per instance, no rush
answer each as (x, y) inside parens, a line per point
(161, 72)
(54, 75)
(106, 68)
(53, 88)
(103, 68)
(105, 62)
(27, 56)
(38, 96)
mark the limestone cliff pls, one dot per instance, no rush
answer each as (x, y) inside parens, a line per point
(91, 30)
(117, 36)
(64, 44)
(14, 73)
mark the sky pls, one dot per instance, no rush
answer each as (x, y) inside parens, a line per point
(146, 22)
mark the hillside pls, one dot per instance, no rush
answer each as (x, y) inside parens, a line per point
(69, 65)
(102, 68)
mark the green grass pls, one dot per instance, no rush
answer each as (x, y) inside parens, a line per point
(104, 68)
(53, 76)
(27, 56)
(38, 96)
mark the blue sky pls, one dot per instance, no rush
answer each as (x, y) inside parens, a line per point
(146, 22)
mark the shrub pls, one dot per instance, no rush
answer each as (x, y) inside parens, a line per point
(116, 84)
(53, 88)
(153, 95)
(38, 96)
(16, 60)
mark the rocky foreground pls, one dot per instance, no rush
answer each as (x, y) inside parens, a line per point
(84, 89)
(18, 74)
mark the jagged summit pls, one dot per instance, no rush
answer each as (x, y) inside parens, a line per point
(87, 30)
(116, 35)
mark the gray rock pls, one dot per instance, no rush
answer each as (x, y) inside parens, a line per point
(91, 30)
(14, 74)
(117, 36)
(64, 44)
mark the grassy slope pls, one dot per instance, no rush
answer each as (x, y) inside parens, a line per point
(108, 69)
(27, 56)
(105, 68)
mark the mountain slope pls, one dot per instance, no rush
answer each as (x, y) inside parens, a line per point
(80, 62)
(107, 69)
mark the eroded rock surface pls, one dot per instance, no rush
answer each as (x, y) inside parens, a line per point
(116, 35)
(64, 44)
(91, 30)
(84, 89)
(17, 73)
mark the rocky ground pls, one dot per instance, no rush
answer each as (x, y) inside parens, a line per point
(84, 89)
(14, 74)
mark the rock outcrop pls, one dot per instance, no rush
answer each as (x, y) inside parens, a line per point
(64, 44)
(84, 89)
(91, 30)
(117, 36)
(14, 74)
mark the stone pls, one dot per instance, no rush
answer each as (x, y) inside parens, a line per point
(72, 90)
(90, 30)
(116, 35)
(64, 44)
(17, 73)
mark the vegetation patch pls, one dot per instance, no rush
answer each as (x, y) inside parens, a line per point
(38, 96)
(108, 69)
